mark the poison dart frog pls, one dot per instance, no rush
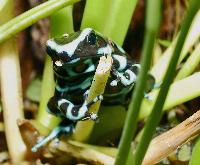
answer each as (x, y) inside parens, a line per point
(75, 58)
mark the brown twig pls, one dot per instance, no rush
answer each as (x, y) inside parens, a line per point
(81, 153)
(164, 144)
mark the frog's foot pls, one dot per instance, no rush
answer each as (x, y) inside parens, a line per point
(97, 98)
(148, 97)
(88, 115)
(55, 133)
(115, 82)
(157, 85)
(85, 95)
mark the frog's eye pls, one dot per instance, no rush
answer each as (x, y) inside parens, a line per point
(92, 39)
(65, 35)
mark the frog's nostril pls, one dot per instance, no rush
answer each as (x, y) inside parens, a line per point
(65, 35)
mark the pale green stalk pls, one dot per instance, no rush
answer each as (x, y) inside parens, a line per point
(95, 14)
(151, 28)
(118, 20)
(1, 127)
(81, 152)
(195, 159)
(111, 18)
(61, 22)
(191, 64)
(31, 16)
(11, 90)
(110, 151)
(3, 4)
(47, 90)
(180, 91)
(84, 128)
(159, 69)
(157, 53)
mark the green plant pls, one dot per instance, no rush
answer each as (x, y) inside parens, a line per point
(110, 19)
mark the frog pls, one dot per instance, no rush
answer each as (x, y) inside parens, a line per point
(75, 58)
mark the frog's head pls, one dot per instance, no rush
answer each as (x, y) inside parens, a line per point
(70, 49)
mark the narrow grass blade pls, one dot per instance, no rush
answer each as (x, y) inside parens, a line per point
(155, 116)
(152, 26)
(109, 18)
(26, 19)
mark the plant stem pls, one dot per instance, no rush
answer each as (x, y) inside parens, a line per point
(195, 159)
(95, 14)
(47, 91)
(155, 116)
(118, 20)
(81, 153)
(180, 91)
(1, 127)
(159, 69)
(11, 91)
(190, 65)
(61, 22)
(152, 26)
(109, 18)
(84, 128)
(26, 19)
(156, 54)
(110, 151)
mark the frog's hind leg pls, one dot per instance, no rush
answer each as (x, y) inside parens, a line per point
(72, 112)
(52, 107)
(61, 129)
(91, 115)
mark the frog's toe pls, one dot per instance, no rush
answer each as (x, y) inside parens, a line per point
(148, 97)
(55, 133)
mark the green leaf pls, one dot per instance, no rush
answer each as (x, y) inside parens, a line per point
(165, 43)
(34, 89)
